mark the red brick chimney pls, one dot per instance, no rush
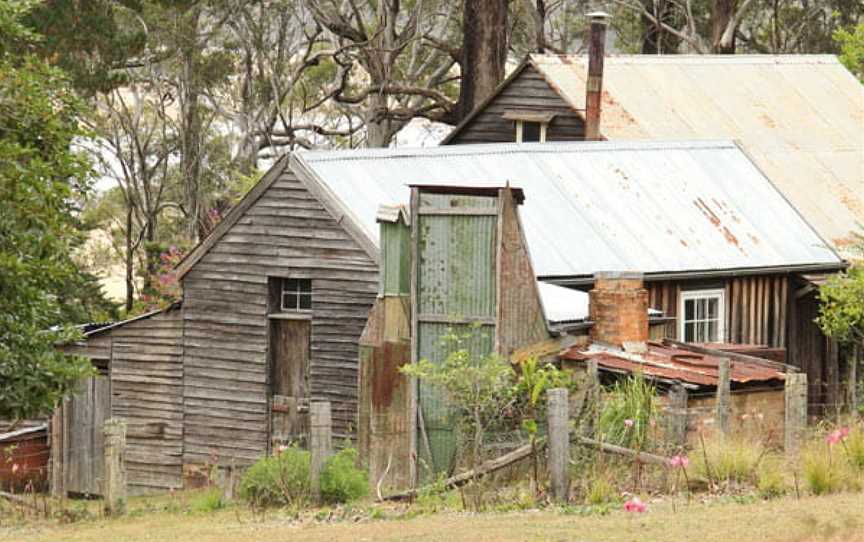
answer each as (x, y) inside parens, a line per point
(594, 84)
(618, 305)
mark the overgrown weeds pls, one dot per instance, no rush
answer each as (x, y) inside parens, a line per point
(628, 413)
(729, 459)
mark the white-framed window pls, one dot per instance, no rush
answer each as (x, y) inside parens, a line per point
(702, 316)
(296, 294)
(530, 131)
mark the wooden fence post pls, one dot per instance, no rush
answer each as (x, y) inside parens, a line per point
(593, 397)
(114, 484)
(559, 443)
(58, 473)
(723, 405)
(795, 410)
(320, 443)
(676, 422)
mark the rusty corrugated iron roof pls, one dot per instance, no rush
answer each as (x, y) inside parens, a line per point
(670, 363)
(799, 117)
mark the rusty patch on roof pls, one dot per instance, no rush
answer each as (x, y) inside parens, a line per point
(670, 363)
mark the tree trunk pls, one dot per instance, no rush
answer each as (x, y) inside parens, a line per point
(484, 51)
(722, 13)
(378, 124)
(130, 281)
(190, 146)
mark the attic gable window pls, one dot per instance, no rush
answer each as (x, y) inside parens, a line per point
(702, 316)
(296, 294)
(531, 126)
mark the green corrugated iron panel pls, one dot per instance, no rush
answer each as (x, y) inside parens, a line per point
(457, 265)
(438, 416)
(395, 258)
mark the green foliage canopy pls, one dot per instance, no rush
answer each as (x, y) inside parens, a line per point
(852, 49)
(841, 312)
(41, 177)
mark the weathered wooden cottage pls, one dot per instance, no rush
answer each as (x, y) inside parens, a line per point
(276, 298)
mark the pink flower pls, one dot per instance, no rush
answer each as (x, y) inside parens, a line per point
(635, 504)
(679, 461)
(844, 432)
(628, 422)
(281, 448)
(834, 437)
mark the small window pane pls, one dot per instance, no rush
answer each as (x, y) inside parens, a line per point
(296, 294)
(688, 309)
(700, 309)
(530, 131)
(712, 336)
(688, 332)
(713, 303)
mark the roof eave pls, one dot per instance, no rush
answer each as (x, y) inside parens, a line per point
(585, 280)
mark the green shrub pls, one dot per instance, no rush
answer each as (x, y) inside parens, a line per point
(280, 480)
(730, 458)
(209, 501)
(341, 480)
(823, 469)
(627, 412)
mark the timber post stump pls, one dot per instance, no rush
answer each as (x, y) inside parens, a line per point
(114, 484)
(320, 443)
(559, 443)
(724, 399)
(795, 415)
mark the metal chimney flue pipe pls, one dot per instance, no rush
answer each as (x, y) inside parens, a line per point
(594, 85)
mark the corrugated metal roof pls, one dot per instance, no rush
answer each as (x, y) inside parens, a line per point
(670, 363)
(800, 117)
(595, 206)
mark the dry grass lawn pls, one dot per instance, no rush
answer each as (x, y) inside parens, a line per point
(831, 518)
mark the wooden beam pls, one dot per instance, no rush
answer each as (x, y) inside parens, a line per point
(460, 211)
(731, 355)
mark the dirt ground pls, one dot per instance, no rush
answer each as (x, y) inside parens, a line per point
(831, 518)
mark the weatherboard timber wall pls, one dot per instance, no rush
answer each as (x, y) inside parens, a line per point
(147, 393)
(285, 233)
(756, 306)
(143, 360)
(528, 91)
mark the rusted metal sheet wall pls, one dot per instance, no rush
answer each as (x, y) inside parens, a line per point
(24, 459)
(520, 321)
(456, 297)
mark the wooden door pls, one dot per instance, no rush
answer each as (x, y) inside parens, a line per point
(289, 373)
(84, 413)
